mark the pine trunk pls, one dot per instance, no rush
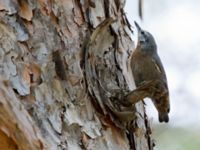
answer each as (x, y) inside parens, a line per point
(59, 61)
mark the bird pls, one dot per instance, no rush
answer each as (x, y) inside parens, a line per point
(148, 72)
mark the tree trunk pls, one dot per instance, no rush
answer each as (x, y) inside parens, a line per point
(61, 61)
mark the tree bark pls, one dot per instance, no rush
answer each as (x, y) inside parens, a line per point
(61, 61)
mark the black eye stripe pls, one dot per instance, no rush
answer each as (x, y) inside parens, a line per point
(168, 110)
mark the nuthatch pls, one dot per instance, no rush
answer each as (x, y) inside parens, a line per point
(147, 67)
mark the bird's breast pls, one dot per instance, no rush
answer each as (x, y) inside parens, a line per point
(144, 68)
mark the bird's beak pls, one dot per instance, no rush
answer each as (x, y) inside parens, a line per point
(138, 27)
(141, 37)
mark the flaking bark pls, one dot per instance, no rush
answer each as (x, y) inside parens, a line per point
(45, 101)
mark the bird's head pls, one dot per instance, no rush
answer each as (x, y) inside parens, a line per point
(163, 107)
(146, 41)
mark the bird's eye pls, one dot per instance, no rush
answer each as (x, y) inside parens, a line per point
(142, 32)
(168, 110)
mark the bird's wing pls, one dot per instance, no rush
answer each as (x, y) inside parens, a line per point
(158, 64)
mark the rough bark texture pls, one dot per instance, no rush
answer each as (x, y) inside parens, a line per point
(61, 61)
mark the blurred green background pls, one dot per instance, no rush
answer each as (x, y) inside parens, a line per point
(176, 138)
